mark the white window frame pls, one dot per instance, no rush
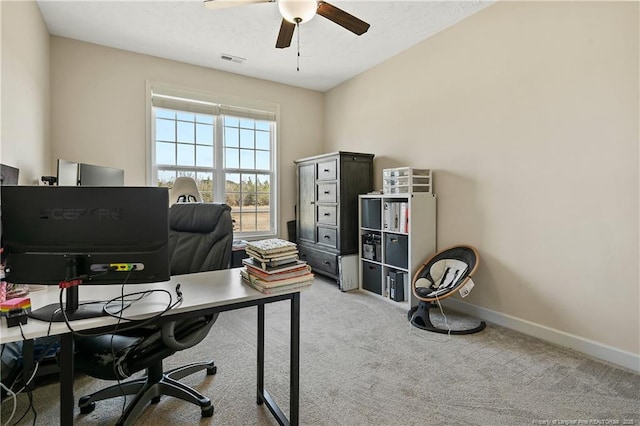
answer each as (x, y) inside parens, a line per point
(221, 104)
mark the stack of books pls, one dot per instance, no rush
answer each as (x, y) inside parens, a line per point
(273, 266)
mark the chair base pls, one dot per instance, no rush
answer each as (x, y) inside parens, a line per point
(150, 388)
(419, 317)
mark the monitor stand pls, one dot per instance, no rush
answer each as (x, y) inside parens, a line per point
(53, 312)
(75, 310)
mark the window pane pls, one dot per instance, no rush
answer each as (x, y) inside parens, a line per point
(166, 178)
(262, 160)
(247, 124)
(165, 130)
(186, 132)
(186, 116)
(231, 136)
(187, 173)
(232, 158)
(231, 121)
(165, 113)
(165, 153)
(204, 134)
(263, 216)
(246, 138)
(185, 155)
(207, 119)
(262, 140)
(204, 156)
(248, 190)
(247, 159)
(263, 125)
(205, 185)
(247, 221)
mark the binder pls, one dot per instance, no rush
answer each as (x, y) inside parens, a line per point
(396, 286)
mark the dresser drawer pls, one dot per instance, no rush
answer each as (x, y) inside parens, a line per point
(321, 262)
(328, 236)
(327, 215)
(327, 193)
(327, 170)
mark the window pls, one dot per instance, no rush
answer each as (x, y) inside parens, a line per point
(229, 151)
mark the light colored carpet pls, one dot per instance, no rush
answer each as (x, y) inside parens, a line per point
(361, 364)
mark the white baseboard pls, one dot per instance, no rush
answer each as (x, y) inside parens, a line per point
(580, 344)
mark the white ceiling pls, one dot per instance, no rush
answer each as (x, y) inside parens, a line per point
(188, 32)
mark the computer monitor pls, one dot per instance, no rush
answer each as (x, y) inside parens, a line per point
(91, 175)
(96, 235)
(8, 175)
(67, 173)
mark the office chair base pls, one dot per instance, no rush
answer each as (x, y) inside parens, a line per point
(149, 390)
(419, 317)
(189, 369)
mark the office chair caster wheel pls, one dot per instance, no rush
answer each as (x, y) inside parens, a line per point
(155, 399)
(212, 370)
(207, 411)
(86, 409)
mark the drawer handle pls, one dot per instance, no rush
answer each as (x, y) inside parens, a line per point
(327, 214)
(326, 170)
(327, 237)
(327, 263)
(327, 192)
(394, 240)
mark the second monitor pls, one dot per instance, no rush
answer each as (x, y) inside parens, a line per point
(81, 174)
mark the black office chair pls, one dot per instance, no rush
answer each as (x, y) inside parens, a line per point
(441, 276)
(200, 239)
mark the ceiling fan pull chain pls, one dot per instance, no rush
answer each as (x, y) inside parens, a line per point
(298, 31)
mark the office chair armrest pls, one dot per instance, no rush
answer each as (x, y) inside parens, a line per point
(192, 339)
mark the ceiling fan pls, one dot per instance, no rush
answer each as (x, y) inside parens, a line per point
(296, 12)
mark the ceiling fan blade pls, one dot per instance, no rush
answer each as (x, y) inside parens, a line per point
(223, 4)
(285, 35)
(342, 18)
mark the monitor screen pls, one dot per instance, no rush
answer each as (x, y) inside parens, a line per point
(8, 175)
(67, 173)
(98, 235)
(90, 175)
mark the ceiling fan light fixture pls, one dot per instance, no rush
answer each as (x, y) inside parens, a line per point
(298, 11)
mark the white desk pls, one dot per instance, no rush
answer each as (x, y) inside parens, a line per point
(203, 293)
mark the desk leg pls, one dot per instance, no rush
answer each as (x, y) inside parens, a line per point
(294, 367)
(294, 374)
(260, 398)
(66, 379)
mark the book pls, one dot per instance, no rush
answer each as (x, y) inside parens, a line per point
(278, 283)
(272, 257)
(271, 262)
(274, 269)
(277, 290)
(272, 246)
(296, 272)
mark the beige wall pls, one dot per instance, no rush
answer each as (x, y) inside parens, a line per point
(98, 109)
(528, 113)
(24, 135)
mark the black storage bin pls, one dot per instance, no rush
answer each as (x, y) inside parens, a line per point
(396, 250)
(371, 214)
(372, 277)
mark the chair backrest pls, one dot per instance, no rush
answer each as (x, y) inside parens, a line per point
(200, 237)
(184, 190)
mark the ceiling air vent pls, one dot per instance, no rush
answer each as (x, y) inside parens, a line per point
(232, 58)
